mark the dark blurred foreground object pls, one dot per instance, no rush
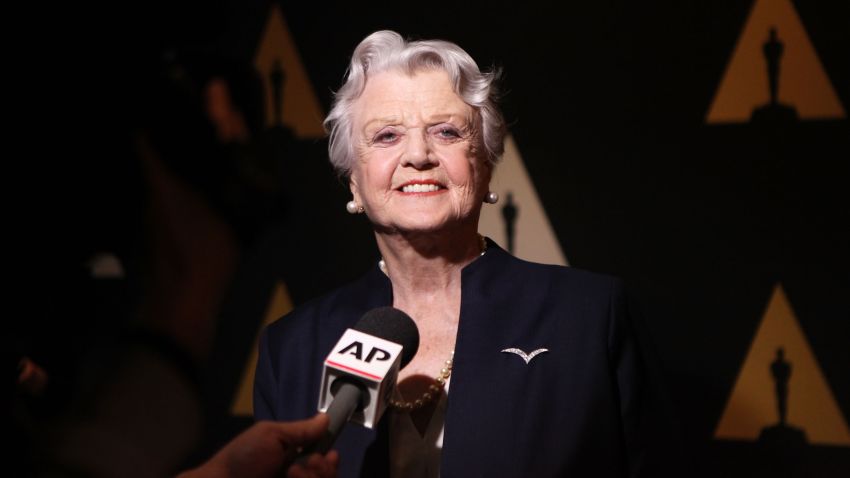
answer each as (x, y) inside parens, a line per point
(107, 368)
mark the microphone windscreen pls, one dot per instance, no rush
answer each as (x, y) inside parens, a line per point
(394, 325)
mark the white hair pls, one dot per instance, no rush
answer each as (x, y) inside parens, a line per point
(387, 50)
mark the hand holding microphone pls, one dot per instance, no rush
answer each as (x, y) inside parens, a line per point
(265, 449)
(358, 377)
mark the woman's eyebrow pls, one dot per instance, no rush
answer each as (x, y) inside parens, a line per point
(380, 122)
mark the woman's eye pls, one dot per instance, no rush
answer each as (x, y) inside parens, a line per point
(386, 137)
(448, 133)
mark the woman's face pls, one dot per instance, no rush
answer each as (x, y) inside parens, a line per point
(419, 165)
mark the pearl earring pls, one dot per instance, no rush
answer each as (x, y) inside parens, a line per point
(492, 197)
(353, 208)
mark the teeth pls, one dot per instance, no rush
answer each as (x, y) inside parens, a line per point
(420, 188)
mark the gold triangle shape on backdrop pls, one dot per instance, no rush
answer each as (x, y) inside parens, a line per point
(301, 111)
(279, 305)
(752, 405)
(803, 83)
(535, 239)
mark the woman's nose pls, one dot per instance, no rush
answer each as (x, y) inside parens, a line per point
(417, 152)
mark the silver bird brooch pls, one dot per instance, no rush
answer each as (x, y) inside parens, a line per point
(523, 355)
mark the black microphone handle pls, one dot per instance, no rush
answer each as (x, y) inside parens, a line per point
(346, 400)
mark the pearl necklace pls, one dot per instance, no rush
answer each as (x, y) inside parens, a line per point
(433, 390)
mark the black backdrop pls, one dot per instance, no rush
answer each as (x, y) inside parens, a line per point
(607, 103)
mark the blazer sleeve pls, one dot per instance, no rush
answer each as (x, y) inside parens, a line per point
(265, 383)
(625, 359)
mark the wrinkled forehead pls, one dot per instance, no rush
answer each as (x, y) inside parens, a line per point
(417, 96)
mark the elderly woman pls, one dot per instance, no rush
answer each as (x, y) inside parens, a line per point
(523, 369)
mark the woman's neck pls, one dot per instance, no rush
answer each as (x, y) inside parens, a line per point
(427, 265)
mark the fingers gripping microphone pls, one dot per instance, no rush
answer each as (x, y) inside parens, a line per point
(360, 373)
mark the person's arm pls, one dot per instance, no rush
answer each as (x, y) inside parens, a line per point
(265, 450)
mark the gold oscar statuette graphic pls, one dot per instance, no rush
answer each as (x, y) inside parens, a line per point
(780, 391)
(774, 67)
(518, 221)
(290, 99)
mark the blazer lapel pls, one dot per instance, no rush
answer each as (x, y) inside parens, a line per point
(494, 398)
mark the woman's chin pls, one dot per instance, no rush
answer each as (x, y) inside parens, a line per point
(426, 225)
(423, 227)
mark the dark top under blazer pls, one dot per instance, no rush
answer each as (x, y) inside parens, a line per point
(570, 412)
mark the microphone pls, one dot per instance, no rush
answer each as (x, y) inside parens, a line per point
(360, 372)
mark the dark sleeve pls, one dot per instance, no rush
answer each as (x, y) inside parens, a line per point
(628, 370)
(265, 383)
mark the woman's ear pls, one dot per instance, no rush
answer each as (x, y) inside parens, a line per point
(487, 169)
(353, 187)
(352, 182)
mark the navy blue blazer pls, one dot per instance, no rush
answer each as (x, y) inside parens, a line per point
(573, 411)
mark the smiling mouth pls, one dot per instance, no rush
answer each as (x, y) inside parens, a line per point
(421, 187)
